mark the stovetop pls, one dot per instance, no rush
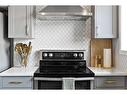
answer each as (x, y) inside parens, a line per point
(63, 64)
(86, 72)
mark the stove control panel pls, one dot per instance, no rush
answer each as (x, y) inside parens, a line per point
(62, 55)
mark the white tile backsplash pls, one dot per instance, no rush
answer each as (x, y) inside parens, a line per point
(61, 35)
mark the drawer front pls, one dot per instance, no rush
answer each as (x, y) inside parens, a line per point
(13, 82)
(110, 82)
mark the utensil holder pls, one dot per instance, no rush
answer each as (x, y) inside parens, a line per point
(24, 60)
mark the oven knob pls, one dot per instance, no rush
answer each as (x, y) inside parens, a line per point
(75, 55)
(50, 54)
(45, 54)
(80, 54)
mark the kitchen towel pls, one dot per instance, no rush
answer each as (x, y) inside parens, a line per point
(68, 83)
(107, 58)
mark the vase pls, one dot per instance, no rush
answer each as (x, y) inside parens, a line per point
(24, 60)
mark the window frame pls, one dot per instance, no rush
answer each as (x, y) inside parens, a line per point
(123, 52)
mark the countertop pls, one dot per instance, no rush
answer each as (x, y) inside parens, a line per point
(29, 71)
(108, 72)
(19, 71)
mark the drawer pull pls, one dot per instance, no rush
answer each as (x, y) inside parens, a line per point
(14, 82)
(110, 81)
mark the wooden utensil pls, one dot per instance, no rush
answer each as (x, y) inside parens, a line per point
(23, 50)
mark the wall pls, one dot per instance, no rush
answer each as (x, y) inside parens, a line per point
(120, 59)
(57, 35)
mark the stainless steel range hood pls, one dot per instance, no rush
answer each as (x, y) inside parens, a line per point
(63, 12)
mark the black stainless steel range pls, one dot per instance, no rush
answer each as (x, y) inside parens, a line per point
(63, 70)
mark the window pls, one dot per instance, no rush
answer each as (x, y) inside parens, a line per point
(123, 28)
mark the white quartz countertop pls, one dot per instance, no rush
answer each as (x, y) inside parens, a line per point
(19, 71)
(29, 71)
(108, 72)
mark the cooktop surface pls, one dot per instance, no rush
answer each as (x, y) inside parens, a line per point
(86, 72)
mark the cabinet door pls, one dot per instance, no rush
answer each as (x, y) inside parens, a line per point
(30, 22)
(17, 21)
(20, 24)
(17, 82)
(109, 82)
(105, 22)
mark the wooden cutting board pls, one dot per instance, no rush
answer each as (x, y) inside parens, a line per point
(97, 46)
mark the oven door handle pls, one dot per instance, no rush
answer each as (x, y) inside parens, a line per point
(84, 78)
(61, 79)
(48, 79)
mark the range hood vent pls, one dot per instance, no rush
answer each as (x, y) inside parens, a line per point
(63, 13)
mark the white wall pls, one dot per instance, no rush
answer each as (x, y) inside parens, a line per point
(120, 59)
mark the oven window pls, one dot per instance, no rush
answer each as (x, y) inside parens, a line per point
(49, 84)
(82, 84)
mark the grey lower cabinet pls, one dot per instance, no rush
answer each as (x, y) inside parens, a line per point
(110, 82)
(16, 82)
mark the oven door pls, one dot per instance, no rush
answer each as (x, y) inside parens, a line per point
(47, 83)
(57, 83)
(83, 84)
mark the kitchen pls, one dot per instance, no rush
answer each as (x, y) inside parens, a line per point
(68, 38)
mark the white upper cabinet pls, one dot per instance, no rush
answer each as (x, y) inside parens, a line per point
(104, 22)
(21, 22)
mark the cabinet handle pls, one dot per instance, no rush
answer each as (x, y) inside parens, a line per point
(26, 22)
(96, 31)
(110, 81)
(26, 30)
(15, 82)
